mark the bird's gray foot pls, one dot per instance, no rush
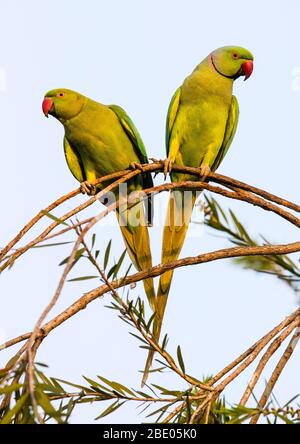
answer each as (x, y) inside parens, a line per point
(204, 171)
(88, 188)
(168, 163)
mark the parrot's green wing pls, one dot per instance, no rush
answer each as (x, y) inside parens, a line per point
(131, 131)
(171, 116)
(140, 150)
(230, 130)
(74, 161)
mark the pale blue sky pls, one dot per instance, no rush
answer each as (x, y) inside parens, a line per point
(136, 53)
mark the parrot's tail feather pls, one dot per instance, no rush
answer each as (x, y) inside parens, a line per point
(177, 222)
(147, 367)
(135, 233)
(157, 324)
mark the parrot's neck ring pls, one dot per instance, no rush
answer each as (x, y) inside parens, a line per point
(235, 76)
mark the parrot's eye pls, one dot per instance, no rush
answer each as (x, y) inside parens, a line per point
(235, 55)
(61, 94)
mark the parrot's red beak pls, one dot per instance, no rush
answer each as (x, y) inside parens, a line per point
(247, 68)
(47, 105)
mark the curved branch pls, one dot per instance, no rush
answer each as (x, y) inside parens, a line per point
(124, 176)
(237, 194)
(66, 216)
(89, 297)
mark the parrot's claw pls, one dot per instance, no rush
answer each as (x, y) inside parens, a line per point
(136, 166)
(168, 163)
(154, 160)
(88, 188)
(204, 171)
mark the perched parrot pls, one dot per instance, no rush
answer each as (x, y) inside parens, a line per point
(201, 123)
(101, 140)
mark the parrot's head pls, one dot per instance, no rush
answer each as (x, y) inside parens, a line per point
(232, 62)
(63, 103)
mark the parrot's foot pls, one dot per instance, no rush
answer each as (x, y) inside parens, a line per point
(204, 171)
(168, 163)
(136, 166)
(88, 188)
(154, 160)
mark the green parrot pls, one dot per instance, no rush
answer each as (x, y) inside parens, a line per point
(101, 140)
(201, 123)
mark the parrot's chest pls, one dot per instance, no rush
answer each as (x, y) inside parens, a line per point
(202, 130)
(92, 152)
(101, 152)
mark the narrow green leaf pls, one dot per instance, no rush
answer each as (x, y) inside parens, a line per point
(121, 386)
(78, 255)
(111, 271)
(114, 385)
(41, 364)
(57, 385)
(106, 255)
(180, 359)
(56, 219)
(139, 338)
(10, 388)
(285, 419)
(89, 399)
(11, 363)
(93, 240)
(73, 385)
(119, 263)
(15, 410)
(150, 322)
(53, 245)
(165, 342)
(114, 406)
(240, 227)
(92, 382)
(161, 409)
(83, 278)
(46, 405)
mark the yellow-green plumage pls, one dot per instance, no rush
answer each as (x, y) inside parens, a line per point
(201, 123)
(100, 140)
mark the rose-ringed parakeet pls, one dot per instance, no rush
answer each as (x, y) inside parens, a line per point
(201, 123)
(100, 140)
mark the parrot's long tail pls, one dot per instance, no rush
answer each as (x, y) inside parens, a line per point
(179, 213)
(135, 233)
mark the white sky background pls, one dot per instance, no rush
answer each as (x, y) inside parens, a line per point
(136, 53)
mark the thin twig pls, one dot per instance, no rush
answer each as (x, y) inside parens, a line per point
(175, 412)
(265, 340)
(264, 360)
(277, 372)
(220, 387)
